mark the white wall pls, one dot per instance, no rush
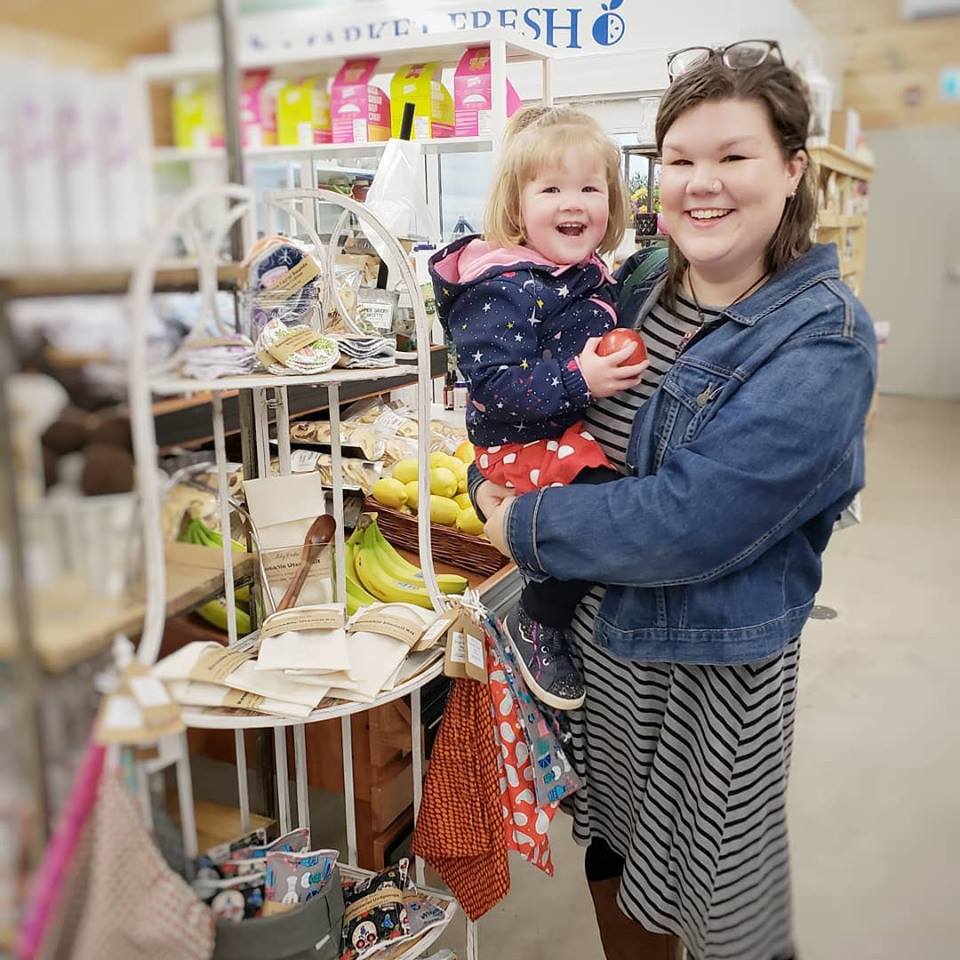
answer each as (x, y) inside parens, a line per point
(912, 277)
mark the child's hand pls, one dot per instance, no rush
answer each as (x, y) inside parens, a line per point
(603, 375)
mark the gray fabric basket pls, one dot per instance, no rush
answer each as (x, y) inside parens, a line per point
(310, 932)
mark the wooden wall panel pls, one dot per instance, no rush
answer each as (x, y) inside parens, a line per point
(893, 66)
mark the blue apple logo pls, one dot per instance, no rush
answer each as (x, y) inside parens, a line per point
(609, 27)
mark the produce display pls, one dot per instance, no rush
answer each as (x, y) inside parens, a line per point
(376, 571)
(449, 504)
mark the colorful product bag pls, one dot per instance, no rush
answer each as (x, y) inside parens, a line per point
(535, 775)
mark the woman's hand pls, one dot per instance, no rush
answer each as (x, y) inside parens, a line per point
(490, 495)
(603, 376)
(496, 526)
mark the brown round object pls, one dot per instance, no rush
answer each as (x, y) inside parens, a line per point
(66, 435)
(106, 470)
(114, 432)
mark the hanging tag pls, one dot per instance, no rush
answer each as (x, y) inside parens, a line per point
(455, 657)
(466, 650)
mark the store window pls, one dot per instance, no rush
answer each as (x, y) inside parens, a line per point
(464, 185)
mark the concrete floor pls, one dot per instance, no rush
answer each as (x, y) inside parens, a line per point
(875, 784)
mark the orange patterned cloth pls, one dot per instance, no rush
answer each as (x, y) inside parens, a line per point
(460, 829)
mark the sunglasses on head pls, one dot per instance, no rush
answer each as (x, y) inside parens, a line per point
(741, 55)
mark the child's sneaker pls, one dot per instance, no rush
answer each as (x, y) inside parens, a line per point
(544, 662)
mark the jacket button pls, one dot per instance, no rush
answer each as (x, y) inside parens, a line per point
(704, 398)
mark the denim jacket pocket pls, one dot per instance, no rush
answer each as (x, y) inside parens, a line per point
(693, 395)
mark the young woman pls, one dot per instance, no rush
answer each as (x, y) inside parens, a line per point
(743, 443)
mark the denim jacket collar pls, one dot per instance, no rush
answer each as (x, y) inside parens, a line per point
(819, 263)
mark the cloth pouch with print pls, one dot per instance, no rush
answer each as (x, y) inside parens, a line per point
(233, 898)
(375, 914)
(295, 878)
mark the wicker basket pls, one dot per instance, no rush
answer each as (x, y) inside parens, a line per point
(449, 545)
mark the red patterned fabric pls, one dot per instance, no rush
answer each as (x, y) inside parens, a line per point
(460, 830)
(542, 463)
(525, 823)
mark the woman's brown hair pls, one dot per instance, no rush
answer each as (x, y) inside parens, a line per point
(783, 95)
(536, 138)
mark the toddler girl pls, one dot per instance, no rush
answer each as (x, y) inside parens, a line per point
(524, 307)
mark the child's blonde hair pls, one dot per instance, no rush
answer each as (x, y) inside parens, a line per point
(535, 139)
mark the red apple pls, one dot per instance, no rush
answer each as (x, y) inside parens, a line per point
(617, 339)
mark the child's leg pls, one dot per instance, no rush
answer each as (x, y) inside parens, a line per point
(538, 630)
(552, 602)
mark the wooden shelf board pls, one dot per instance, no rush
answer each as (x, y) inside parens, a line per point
(831, 157)
(71, 625)
(109, 281)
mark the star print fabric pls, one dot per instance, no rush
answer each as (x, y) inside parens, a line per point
(518, 323)
(544, 463)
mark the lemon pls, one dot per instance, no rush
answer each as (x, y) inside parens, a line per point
(443, 482)
(469, 522)
(443, 510)
(406, 470)
(462, 500)
(413, 493)
(390, 492)
(465, 452)
(438, 458)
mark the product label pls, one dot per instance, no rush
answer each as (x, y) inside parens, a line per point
(213, 666)
(389, 622)
(285, 562)
(375, 317)
(293, 280)
(290, 344)
(359, 131)
(314, 616)
(389, 422)
(242, 699)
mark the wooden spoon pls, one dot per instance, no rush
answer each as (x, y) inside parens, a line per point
(318, 536)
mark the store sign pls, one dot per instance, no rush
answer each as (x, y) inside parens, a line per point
(589, 27)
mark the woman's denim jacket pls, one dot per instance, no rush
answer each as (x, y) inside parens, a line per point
(740, 463)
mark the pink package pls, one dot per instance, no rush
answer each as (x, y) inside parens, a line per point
(360, 111)
(473, 94)
(258, 109)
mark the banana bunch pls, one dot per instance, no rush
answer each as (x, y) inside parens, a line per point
(357, 595)
(385, 575)
(215, 612)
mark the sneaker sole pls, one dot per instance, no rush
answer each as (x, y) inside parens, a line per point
(550, 699)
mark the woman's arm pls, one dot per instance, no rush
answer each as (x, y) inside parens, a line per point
(784, 448)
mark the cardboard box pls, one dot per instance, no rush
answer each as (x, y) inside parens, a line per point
(419, 84)
(303, 113)
(361, 112)
(473, 94)
(197, 116)
(258, 108)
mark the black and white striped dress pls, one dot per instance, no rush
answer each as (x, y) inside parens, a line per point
(685, 767)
